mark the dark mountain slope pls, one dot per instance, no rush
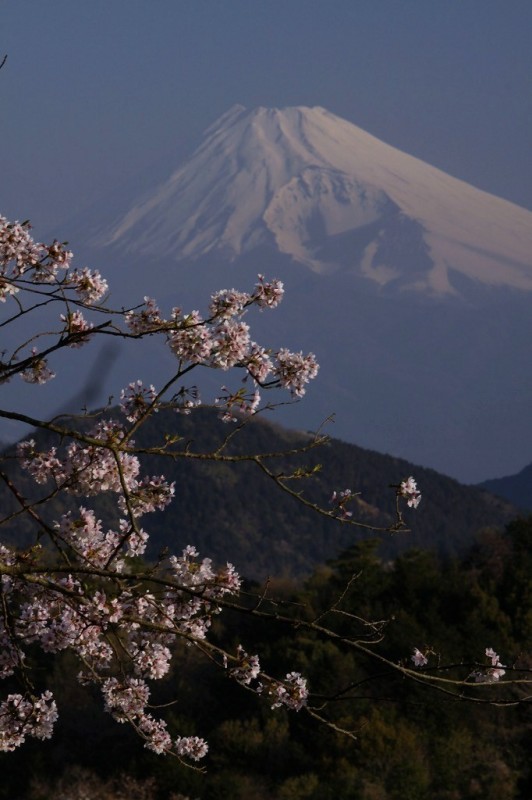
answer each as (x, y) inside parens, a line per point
(234, 512)
(517, 489)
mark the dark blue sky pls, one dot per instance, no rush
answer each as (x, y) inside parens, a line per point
(94, 92)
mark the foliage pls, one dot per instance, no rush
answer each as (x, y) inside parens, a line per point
(407, 743)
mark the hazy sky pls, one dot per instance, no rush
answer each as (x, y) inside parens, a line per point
(95, 90)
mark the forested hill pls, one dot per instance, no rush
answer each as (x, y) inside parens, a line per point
(235, 512)
(517, 489)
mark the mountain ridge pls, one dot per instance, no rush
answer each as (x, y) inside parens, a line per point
(441, 378)
(234, 512)
(516, 489)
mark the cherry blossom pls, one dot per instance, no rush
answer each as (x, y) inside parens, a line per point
(408, 489)
(38, 370)
(7, 288)
(76, 324)
(239, 402)
(26, 716)
(258, 362)
(339, 500)
(147, 320)
(88, 284)
(294, 370)
(247, 669)
(228, 303)
(268, 294)
(419, 659)
(493, 673)
(292, 693)
(82, 586)
(186, 399)
(230, 343)
(191, 747)
(17, 245)
(136, 399)
(191, 340)
(57, 257)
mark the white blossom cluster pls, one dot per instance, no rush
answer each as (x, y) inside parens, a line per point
(58, 610)
(123, 630)
(21, 256)
(490, 674)
(247, 669)
(44, 270)
(88, 284)
(137, 399)
(37, 370)
(339, 501)
(223, 340)
(419, 658)
(61, 612)
(408, 489)
(240, 402)
(294, 370)
(494, 672)
(26, 716)
(76, 327)
(291, 693)
(86, 469)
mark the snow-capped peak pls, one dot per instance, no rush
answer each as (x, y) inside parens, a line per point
(321, 190)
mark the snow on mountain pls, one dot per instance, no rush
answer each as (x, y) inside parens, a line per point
(411, 287)
(322, 191)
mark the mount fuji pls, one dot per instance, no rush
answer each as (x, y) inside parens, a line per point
(307, 184)
(413, 288)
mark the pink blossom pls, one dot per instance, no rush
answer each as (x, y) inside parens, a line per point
(7, 288)
(191, 340)
(37, 371)
(76, 324)
(155, 732)
(191, 747)
(137, 399)
(492, 674)
(268, 294)
(125, 699)
(186, 399)
(230, 343)
(408, 489)
(258, 362)
(247, 669)
(418, 658)
(339, 500)
(490, 652)
(123, 626)
(41, 465)
(294, 370)
(17, 245)
(89, 285)
(228, 303)
(148, 319)
(292, 693)
(240, 402)
(57, 257)
(26, 716)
